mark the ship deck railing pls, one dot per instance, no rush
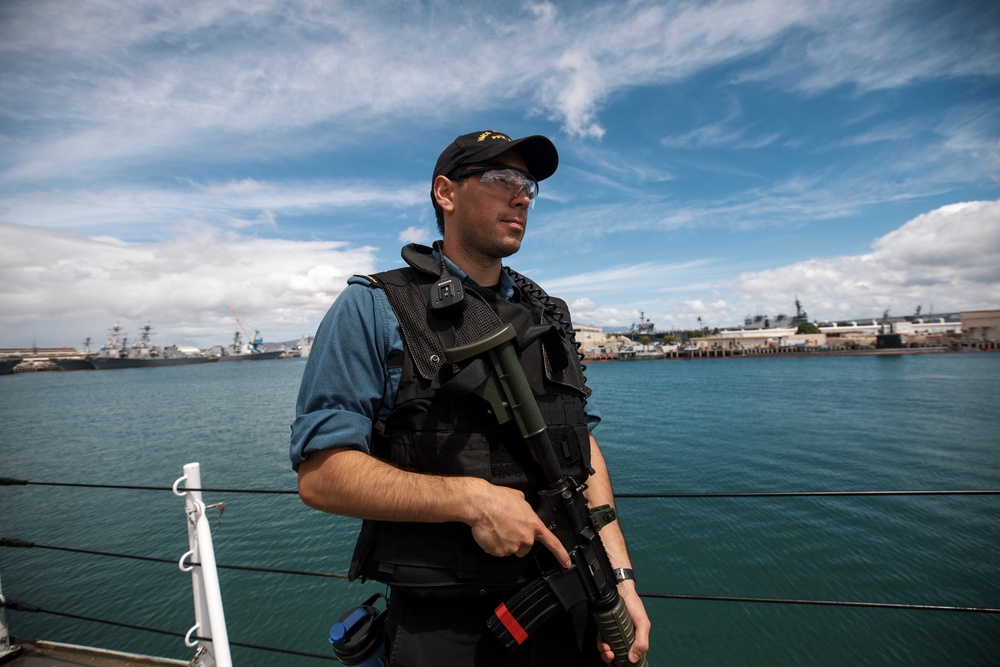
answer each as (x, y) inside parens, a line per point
(201, 562)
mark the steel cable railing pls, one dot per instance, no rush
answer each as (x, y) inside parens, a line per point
(18, 543)
(14, 542)
(819, 494)
(15, 605)
(10, 481)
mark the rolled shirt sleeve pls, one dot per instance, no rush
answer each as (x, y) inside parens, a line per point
(345, 382)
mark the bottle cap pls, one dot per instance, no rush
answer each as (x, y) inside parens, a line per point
(340, 630)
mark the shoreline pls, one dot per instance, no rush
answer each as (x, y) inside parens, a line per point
(785, 352)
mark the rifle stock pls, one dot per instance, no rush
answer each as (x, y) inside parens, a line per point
(563, 508)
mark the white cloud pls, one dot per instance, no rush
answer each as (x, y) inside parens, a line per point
(416, 235)
(266, 219)
(274, 76)
(242, 187)
(232, 204)
(948, 258)
(613, 279)
(586, 311)
(246, 90)
(60, 287)
(573, 92)
(890, 45)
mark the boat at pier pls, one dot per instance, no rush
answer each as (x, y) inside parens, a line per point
(7, 364)
(73, 363)
(116, 353)
(240, 351)
(252, 350)
(779, 321)
(78, 360)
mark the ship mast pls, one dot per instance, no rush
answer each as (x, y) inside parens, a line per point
(249, 338)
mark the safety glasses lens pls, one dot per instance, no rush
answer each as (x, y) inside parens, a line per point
(514, 182)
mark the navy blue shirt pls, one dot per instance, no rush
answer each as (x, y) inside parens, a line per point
(346, 386)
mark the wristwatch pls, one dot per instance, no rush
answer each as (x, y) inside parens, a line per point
(623, 573)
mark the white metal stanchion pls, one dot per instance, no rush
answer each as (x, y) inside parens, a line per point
(209, 617)
(5, 648)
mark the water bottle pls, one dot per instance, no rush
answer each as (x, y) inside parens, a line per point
(358, 638)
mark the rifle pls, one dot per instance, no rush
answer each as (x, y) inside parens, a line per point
(563, 509)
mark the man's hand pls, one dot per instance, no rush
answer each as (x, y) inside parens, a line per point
(639, 619)
(504, 524)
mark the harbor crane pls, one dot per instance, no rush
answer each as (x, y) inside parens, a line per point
(253, 341)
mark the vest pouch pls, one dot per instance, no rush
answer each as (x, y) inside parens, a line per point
(446, 452)
(438, 560)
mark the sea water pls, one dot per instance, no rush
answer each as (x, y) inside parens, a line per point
(911, 422)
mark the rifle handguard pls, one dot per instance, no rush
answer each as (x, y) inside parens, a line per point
(615, 626)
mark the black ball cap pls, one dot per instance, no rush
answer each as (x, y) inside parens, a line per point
(539, 154)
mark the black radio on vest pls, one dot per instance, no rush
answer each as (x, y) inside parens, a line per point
(447, 293)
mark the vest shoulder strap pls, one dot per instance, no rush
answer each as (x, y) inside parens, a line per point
(405, 292)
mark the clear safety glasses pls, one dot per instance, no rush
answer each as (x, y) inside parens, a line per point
(507, 181)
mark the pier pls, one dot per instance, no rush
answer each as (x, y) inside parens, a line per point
(796, 351)
(33, 359)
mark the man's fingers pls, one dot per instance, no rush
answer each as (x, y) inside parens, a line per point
(552, 543)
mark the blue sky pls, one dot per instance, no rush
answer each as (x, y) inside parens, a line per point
(164, 161)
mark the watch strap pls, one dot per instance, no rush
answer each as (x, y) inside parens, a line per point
(623, 573)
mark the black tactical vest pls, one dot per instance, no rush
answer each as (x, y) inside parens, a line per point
(439, 426)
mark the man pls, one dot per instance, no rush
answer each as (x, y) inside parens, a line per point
(387, 431)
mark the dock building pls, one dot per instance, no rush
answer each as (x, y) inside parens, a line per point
(759, 334)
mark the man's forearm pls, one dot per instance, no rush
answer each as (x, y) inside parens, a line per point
(352, 483)
(599, 492)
